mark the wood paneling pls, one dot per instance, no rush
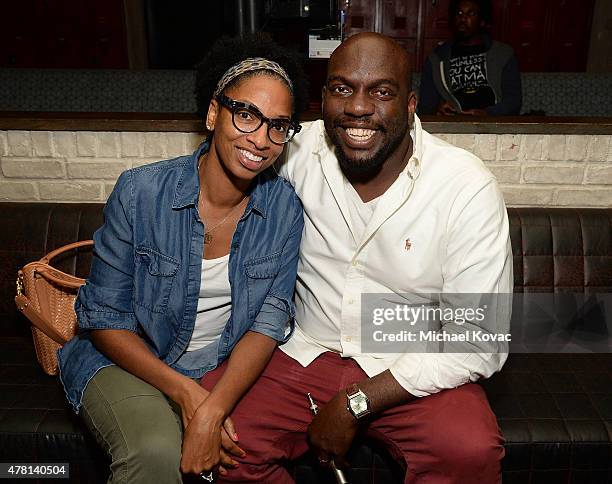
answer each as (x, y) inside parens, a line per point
(399, 19)
(547, 35)
(435, 21)
(362, 16)
(569, 34)
(63, 34)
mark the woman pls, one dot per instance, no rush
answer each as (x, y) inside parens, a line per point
(195, 263)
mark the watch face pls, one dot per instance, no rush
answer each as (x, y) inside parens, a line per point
(359, 404)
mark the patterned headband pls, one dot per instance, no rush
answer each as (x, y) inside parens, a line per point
(247, 65)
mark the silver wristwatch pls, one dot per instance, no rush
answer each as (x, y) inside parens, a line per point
(357, 402)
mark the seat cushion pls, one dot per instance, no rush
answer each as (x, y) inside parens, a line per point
(555, 412)
(36, 424)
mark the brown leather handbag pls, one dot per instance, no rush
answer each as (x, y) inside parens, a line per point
(46, 295)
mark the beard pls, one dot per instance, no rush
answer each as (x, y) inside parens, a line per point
(364, 167)
(370, 166)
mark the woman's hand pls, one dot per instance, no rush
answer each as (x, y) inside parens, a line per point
(203, 446)
(189, 399)
(199, 446)
(130, 352)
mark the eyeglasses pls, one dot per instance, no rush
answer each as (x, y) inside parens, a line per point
(247, 118)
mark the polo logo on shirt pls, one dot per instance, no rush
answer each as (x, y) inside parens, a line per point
(408, 245)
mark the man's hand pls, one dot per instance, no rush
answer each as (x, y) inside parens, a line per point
(332, 431)
(475, 112)
(445, 108)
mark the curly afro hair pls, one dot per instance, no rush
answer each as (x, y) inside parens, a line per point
(227, 52)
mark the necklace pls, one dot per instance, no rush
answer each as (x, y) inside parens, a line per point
(208, 237)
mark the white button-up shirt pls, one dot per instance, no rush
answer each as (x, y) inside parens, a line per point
(441, 227)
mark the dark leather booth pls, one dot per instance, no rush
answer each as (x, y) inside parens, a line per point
(555, 410)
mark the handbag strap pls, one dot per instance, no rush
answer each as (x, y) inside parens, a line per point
(65, 248)
(37, 319)
(44, 268)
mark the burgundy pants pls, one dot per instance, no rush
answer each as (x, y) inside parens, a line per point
(448, 437)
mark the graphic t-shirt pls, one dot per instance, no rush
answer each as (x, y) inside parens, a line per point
(468, 77)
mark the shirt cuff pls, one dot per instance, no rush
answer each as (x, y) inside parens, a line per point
(422, 374)
(106, 320)
(275, 319)
(115, 312)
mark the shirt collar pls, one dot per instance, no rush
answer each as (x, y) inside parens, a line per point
(413, 167)
(260, 193)
(188, 186)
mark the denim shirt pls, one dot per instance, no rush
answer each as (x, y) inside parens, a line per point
(146, 270)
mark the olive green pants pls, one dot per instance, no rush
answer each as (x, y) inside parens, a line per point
(137, 425)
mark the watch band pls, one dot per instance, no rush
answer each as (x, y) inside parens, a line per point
(352, 390)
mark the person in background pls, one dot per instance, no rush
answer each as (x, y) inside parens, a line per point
(472, 74)
(195, 264)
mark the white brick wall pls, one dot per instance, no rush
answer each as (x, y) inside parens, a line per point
(465, 141)
(486, 147)
(41, 143)
(3, 143)
(96, 169)
(79, 166)
(87, 143)
(531, 147)
(532, 170)
(132, 144)
(19, 143)
(576, 147)
(108, 145)
(554, 148)
(64, 143)
(28, 168)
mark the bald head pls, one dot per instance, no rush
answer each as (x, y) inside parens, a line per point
(368, 105)
(376, 50)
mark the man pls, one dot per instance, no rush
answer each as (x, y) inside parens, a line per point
(472, 74)
(388, 208)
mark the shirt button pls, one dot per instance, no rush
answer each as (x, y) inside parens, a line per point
(347, 339)
(355, 263)
(351, 301)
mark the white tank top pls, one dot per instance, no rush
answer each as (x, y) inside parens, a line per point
(214, 303)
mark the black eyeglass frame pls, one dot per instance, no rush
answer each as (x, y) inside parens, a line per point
(234, 106)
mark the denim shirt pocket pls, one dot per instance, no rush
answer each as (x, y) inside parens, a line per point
(260, 276)
(153, 278)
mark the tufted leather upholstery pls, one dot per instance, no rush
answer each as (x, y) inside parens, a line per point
(554, 410)
(561, 250)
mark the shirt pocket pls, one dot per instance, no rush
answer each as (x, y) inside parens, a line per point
(154, 276)
(260, 276)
